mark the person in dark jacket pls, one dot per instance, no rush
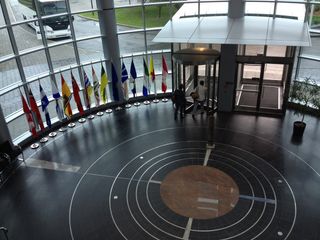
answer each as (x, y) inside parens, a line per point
(180, 101)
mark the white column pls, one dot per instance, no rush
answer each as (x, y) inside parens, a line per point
(110, 42)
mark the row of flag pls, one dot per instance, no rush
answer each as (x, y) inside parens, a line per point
(32, 112)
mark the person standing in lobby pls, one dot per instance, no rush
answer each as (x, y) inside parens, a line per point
(180, 101)
(200, 91)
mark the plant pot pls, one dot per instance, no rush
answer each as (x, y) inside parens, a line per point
(298, 128)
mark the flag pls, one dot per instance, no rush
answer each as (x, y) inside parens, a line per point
(124, 78)
(26, 110)
(145, 80)
(95, 87)
(103, 85)
(114, 83)
(44, 105)
(66, 96)
(133, 74)
(76, 90)
(34, 108)
(164, 75)
(87, 89)
(152, 74)
(56, 96)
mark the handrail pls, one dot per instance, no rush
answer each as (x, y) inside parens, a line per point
(5, 232)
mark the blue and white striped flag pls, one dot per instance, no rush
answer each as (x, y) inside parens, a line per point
(44, 105)
(124, 78)
(56, 95)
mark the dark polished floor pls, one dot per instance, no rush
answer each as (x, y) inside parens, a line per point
(101, 179)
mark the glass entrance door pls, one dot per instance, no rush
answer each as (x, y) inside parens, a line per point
(260, 87)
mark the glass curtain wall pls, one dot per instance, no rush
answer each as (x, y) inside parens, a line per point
(42, 41)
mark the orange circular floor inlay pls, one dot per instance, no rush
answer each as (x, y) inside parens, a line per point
(199, 192)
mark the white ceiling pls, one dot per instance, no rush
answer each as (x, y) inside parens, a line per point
(251, 30)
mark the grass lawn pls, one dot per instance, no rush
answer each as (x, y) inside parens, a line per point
(133, 16)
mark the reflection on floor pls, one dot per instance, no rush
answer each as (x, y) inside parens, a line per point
(123, 167)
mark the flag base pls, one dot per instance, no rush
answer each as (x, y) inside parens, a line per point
(91, 117)
(109, 111)
(155, 101)
(71, 125)
(118, 108)
(146, 102)
(136, 104)
(34, 146)
(44, 140)
(52, 134)
(82, 120)
(128, 105)
(164, 100)
(99, 114)
(63, 129)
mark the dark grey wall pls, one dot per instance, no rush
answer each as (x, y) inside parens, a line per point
(227, 79)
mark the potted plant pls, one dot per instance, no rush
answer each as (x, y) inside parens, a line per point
(302, 93)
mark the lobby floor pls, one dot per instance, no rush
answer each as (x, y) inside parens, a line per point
(114, 177)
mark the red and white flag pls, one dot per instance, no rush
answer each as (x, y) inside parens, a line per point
(35, 109)
(164, 75)
(26, 110)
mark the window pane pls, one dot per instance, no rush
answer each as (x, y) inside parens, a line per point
(131, 42)
(62, 56)
(276, 51)
(129, 17)
(314, 50)
(251, 71)
(252, 50)
(158, 16)
(18, 127)
(314, 18)
(5, 46)
(309, 68)
(127, 2)
(291, 10)
(155, 45)
(10, 102)
(26, 37)
(84, 26)
(9, 73)
(34, 63)
(273, 72)
(90, 50)
(82, 5)
(213, 8)
(259, 8)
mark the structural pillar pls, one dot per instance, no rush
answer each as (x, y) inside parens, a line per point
(4, 131)
(110, 42)
(236, 8)
(228, 63)
(227, 77)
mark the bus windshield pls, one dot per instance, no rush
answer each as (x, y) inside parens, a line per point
(49, 8)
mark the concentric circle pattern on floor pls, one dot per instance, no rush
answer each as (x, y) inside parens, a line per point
(129, 162)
